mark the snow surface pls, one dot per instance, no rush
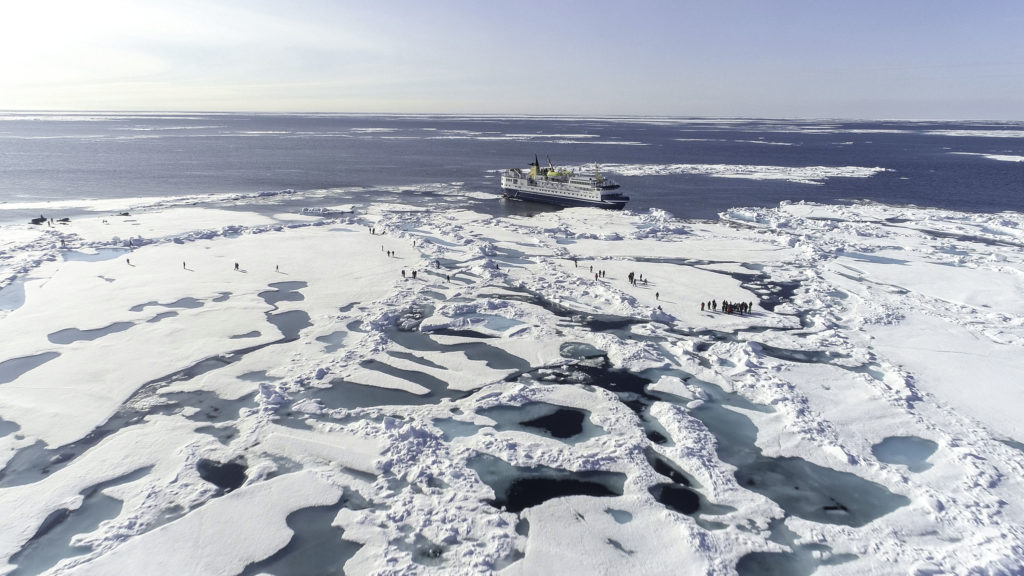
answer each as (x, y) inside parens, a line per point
(136, 354)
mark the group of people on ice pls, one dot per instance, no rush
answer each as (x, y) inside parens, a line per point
(633, 279)
(728, 307)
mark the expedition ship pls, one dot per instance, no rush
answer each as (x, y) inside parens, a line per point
(562, 187)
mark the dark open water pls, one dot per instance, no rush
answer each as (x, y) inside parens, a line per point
(64, 156)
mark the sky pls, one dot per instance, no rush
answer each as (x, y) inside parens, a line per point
(909, 59)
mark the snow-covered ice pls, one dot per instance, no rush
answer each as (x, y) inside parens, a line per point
(189, 390)
(797, 174)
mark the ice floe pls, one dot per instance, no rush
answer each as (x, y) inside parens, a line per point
(391, 391)
(1000, 157)
(798, 174)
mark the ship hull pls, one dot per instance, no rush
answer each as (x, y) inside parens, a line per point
(514, 194)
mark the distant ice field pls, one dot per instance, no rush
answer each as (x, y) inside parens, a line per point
(695, 168)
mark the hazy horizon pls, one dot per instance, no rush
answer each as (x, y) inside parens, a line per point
(911, 60)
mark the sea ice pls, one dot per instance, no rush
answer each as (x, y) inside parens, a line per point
(166, 411)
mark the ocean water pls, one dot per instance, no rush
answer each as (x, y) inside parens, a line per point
(969, 166)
